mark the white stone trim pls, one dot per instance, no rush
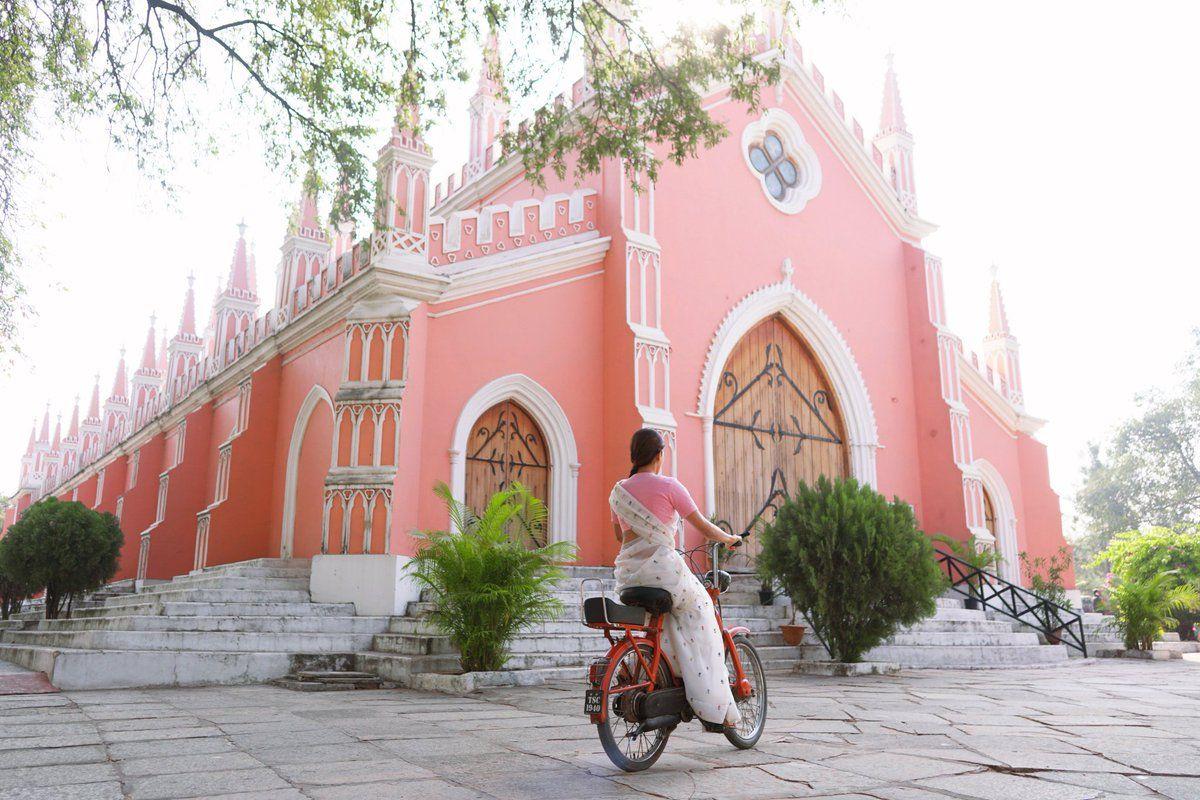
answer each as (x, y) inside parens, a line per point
(1006, 518)
(560, 439)
(830, 349)
(796, 147)
(315, 396)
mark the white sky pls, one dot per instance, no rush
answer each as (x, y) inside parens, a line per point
(1052, 138)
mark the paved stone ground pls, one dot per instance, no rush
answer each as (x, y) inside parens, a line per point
(1088, 730)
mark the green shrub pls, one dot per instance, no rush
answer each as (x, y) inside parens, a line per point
(1145, 608)
(855, 565)
(486, 585)
(63, 548)
(13, 593)
(1139, 555)
(1046, 576)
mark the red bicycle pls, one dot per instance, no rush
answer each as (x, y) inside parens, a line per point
(635, 698)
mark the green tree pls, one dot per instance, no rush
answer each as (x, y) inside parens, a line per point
(313, 73)
(854, 564)
(1148, 473)
(1046, 577)
(486, 585)
(63, 548)
(13, 592)
(1140, 555)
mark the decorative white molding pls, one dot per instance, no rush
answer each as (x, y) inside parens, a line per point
(315, 397)
(501, 270)
(1007, 414)
(1006, 518)
(548, 414)
(827, 344)
(783, 124)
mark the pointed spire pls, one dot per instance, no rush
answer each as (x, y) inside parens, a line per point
(73, 431)
(94, 405)
(44, 436)
(491, 71)
(891, 116)
(241, 270)
(187, 323)
(997, 316)
(32, 438)
(120, 381)
(162, 353)
(149, 360)
(56, 444)
(307, 220)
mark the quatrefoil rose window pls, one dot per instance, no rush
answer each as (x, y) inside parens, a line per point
(784, 163)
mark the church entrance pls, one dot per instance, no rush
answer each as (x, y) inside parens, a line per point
(507, 446)
(776, 422)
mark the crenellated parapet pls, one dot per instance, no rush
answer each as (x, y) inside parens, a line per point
(507, 227)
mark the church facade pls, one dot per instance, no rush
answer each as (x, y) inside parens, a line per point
(767, 306)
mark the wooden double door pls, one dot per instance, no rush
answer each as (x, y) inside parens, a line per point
(776, 422)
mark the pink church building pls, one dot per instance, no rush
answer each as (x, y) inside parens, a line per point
(768, 306)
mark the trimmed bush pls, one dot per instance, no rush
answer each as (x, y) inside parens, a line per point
(855, 565)
(13, 594)
(486, 585)
(63, 548)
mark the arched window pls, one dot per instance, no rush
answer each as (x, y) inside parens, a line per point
(989, 515)
(506, 446)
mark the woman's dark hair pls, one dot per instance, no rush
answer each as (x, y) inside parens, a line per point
(644, 447)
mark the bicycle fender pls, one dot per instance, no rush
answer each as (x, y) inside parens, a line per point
(738, 630)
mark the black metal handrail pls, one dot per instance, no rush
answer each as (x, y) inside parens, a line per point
(1054, 621)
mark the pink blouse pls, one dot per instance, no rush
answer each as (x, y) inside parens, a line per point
(662, 496)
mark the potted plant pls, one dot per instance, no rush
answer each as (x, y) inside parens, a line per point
(793, 634)
(487, 586)
(975, 557)
(1144, 609)
(836, 548)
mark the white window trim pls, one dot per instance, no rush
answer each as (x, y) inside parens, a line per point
(1006, 518)
(795, 146)
(560, 440)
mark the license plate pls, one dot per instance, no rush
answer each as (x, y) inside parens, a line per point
(593, 701)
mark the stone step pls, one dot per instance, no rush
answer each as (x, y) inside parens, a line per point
(251, 572)
(252, 609)
(1176, 648)
(227, 583)
(398, 668)
(192, 640)
(964, 639)
(214, 596)
(249, 624)
(328, 680)
(78, 669)
(932, 625)
(412, 644)
(261, 563)
(968, 657)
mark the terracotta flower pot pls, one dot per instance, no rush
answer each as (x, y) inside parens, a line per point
(792, 634)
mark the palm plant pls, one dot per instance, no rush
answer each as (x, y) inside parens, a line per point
(486, 585)
(1144, 609)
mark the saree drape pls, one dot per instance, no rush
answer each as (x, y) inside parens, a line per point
(692, 639)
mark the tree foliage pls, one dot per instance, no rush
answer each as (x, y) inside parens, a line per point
(63, 548)
(854, 564)
(13, 593)
(1148, 473)
(314, 73)
(1046, 576)
(485, 584)
(1138, 556)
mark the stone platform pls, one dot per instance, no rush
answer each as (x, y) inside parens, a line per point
(1089, 730)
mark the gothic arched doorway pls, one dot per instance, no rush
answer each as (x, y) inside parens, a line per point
(506, 446)
(775, 423)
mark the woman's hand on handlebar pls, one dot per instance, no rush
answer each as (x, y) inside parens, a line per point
(710, 531)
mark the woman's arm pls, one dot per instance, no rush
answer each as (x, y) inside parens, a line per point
(710, 531)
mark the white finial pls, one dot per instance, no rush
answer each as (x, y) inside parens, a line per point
(242, 228)
(787, 270)
(993, 270)
(890, 58)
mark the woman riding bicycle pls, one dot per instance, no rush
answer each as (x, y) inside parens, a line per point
(646, 507)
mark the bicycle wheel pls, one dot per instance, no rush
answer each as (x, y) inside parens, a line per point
(753, 707)
(623, 744)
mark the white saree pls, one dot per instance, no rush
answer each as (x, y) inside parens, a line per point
(693, 641)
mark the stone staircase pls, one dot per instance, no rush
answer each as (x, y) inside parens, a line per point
(247, 622)
(1101, 634)
(956, 637)
(559, 649)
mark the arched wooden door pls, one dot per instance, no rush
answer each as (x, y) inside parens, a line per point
(507, 446)
(775, 423)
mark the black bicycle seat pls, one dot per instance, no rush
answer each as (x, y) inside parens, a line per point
(651, 598)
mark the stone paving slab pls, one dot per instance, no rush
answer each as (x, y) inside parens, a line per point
(1088, 730)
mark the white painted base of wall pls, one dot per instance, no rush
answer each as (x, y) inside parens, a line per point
(377, 584)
